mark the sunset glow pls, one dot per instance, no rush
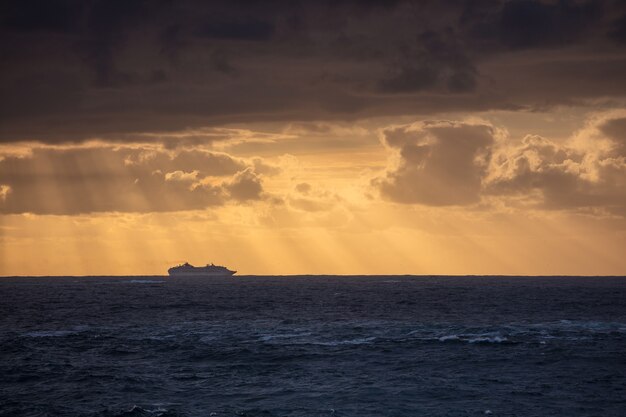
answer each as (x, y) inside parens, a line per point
(298, 149)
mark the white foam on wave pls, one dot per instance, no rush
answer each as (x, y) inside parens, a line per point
(487, 339)
(358, 341)
(519, 332)
(473, 338)
(158, 411)
(305, 339)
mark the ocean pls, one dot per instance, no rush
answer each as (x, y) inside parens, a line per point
(313, 346)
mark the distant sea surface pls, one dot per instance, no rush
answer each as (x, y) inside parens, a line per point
(313, 346)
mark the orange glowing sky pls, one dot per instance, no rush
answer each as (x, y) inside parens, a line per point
(331, 146)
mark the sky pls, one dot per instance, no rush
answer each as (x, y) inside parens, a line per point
(301, 137)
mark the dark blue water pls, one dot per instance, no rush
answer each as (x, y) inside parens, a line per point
(313, 346)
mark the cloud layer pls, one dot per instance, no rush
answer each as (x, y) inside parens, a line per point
(104, 179)
(115, 69)
(459, 163)
(440, 163)
(587, 173)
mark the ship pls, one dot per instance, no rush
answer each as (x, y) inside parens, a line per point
(188, 270)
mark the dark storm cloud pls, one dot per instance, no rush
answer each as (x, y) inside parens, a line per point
(41, 15)
(243, 30)
(86, 180)
(521, 24)
(434, 59)
(73, 70)
(618, 30)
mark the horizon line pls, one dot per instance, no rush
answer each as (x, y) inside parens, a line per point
(323, 275)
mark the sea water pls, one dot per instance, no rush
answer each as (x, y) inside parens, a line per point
(313, 346)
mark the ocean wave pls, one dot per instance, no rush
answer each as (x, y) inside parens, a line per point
(448, 338)
(270, 337)
(358, 341)
(253, 412)
(162, 337)
(485, 338)
(137, 411)
(593, 327)
(308, 338)
(488, 339)
(57, 333)
(50, 333)
(362, 333)
(518, 332)
(145, 281)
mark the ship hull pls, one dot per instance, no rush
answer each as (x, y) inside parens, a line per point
(201, 274)
(188, 270)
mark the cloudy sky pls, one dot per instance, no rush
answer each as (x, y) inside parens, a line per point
(339, 137)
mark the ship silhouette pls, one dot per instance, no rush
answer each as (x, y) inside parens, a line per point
(188, 270)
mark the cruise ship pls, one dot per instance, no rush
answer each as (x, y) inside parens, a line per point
(188, 270)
